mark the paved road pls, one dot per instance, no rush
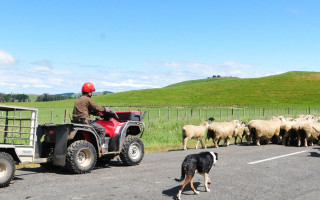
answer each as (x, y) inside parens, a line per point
(287, 173)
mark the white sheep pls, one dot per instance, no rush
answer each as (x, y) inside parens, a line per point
(240, 131)
(300, 131)
(264, 129)
(221, 130)
(192, 131)
(308, 132)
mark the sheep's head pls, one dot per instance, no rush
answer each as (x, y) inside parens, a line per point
(205, 124)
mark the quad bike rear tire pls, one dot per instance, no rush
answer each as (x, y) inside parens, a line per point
(81, 157)
(7, 169)
(132, 151)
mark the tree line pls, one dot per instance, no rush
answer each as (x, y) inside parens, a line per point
(14, 98)
(48, 97)
(25, 98)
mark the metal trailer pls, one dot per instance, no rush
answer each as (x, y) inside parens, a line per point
(17, 139)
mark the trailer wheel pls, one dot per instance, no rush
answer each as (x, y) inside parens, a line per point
(132, 151)
(81, 157)
(7, 169)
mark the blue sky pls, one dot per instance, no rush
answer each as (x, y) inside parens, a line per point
(55, 46)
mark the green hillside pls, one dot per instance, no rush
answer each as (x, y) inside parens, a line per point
(288, 89)
(291, 88)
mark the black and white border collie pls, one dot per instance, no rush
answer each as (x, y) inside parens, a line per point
(201, 162)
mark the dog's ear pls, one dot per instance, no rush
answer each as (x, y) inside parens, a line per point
(216, 156)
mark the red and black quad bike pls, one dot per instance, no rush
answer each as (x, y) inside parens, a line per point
(77, 146)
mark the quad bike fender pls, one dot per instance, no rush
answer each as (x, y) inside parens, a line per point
(130, 128)
(59, 157)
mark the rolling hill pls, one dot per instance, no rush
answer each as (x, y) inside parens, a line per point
(291, 88)
(288, 89)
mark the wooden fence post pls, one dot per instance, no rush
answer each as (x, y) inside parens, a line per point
(159, 114)
(51, 116)
(66, 116)
(168, 113)
(177, 113)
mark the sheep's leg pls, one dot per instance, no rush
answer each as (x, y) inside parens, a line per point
(185, 143)
(225, 142)
(206, 142)
(258, 142)
(215, 143)
(299, 141)
(201, 142)
(197, 144)
(235, 139)
(305, 142)
(228, 141)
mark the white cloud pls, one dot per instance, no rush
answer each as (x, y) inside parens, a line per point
(6, 58)
(127, 83)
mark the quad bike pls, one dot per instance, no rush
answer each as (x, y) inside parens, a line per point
(75, 146)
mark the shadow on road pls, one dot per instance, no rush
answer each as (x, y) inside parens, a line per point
(174, 191)
(315, 154)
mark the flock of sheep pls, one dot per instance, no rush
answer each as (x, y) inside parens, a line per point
(303, 130)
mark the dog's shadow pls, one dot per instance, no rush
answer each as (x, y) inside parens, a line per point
(174, 191)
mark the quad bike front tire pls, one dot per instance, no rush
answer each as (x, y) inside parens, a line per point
(132, 151)
(7, 169)
(81, 157)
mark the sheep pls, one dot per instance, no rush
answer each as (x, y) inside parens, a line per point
(240, 131)
(221, 130)
(285, 130)
(264, 129)
(192, 131)
(308, 132)
(301, 130)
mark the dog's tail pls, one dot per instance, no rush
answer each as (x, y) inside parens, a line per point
(182, 174)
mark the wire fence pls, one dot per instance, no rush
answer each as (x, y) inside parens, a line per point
(63, 115)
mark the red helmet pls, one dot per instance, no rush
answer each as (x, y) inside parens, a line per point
(88, 87)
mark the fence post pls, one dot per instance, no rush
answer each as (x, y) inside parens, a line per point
(177, 113)
(207, 114)
(168, 113)
(65, 116)
(191, 112)
(186, 113)
(200, 113)
(159, 113)
(220, 113)
(309, 111)
(149, 115)
(51, 116)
